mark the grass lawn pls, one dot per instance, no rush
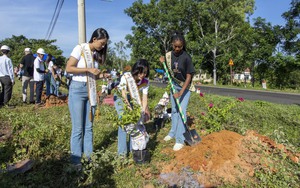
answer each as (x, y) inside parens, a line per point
(264, 137)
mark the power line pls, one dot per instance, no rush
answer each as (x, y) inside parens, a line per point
(52, 20)
(58, 7)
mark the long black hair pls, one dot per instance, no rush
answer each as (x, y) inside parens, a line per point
(100, 33)
(177, 35)
(139, 67)
(49, 58)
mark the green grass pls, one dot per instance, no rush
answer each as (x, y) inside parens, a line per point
(43, 135)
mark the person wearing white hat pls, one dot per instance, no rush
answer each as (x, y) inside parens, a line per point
(6, 76)
(39, 75)
(27, 65)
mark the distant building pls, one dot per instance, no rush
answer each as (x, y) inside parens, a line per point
(203, 78)
(243, 77)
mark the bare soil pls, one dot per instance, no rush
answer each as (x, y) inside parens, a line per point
(223, 156)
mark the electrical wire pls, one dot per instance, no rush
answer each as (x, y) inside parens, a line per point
(57, 10)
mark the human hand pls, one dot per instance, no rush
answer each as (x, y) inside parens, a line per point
(94, 71)
(162, 59)
(146, 116)
(177, 95)
(107, 75)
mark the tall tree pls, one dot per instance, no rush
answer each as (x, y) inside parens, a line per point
(216, 22)
(291, 30)
(154, 24)
(120, 49)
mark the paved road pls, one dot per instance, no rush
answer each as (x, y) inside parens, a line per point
(274, 97)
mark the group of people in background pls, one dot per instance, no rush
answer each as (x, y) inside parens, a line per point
(83, 65)
(33, 72)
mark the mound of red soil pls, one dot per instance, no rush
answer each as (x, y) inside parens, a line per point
(54, 100)
(223, 156)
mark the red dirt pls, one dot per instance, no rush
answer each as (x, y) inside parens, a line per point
(223, 156)
(53, 100)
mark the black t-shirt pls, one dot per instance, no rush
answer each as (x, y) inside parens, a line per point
(182, 65)
(28, 64)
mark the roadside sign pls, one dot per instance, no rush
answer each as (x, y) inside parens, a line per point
(230, 62)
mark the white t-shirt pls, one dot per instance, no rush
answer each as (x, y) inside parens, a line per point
(77, 53)
(38, 63)
(50, 65)
(142, 85)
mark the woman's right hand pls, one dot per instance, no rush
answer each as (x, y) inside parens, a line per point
(162, 59)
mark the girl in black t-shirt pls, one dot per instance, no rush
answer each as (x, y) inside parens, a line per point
(181, 70)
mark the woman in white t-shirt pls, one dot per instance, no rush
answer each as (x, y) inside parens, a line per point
(81, 110)
(140, 73)
(48, 76)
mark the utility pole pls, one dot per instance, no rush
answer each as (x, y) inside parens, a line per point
(81, 22)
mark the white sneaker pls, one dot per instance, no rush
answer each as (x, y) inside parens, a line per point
(167, 138)
(177, 146)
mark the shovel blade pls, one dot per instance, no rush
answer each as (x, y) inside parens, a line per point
(191, 137)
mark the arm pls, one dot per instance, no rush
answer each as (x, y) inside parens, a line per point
(145, 103)
(124, 95)
(41, 71)
(185, 85)
(73, 69)
(59, 75)
(11, 71)
(145, 108)
(22, 63)
(52, 72)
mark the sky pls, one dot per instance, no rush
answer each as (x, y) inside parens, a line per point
(32, 18)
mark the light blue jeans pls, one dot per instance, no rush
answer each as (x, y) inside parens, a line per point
(123, 145)
(48, 83)
(178, 127)
(82, 126)
(54, 86)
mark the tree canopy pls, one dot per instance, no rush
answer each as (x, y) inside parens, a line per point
(17, 45)
(216, 31)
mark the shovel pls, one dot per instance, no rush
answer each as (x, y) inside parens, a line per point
(191, 136)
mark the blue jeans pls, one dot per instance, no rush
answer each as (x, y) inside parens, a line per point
(82, 126)
(57, 88)
(48, 83)
(178, 127)
(123, 145)
(54, 86)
